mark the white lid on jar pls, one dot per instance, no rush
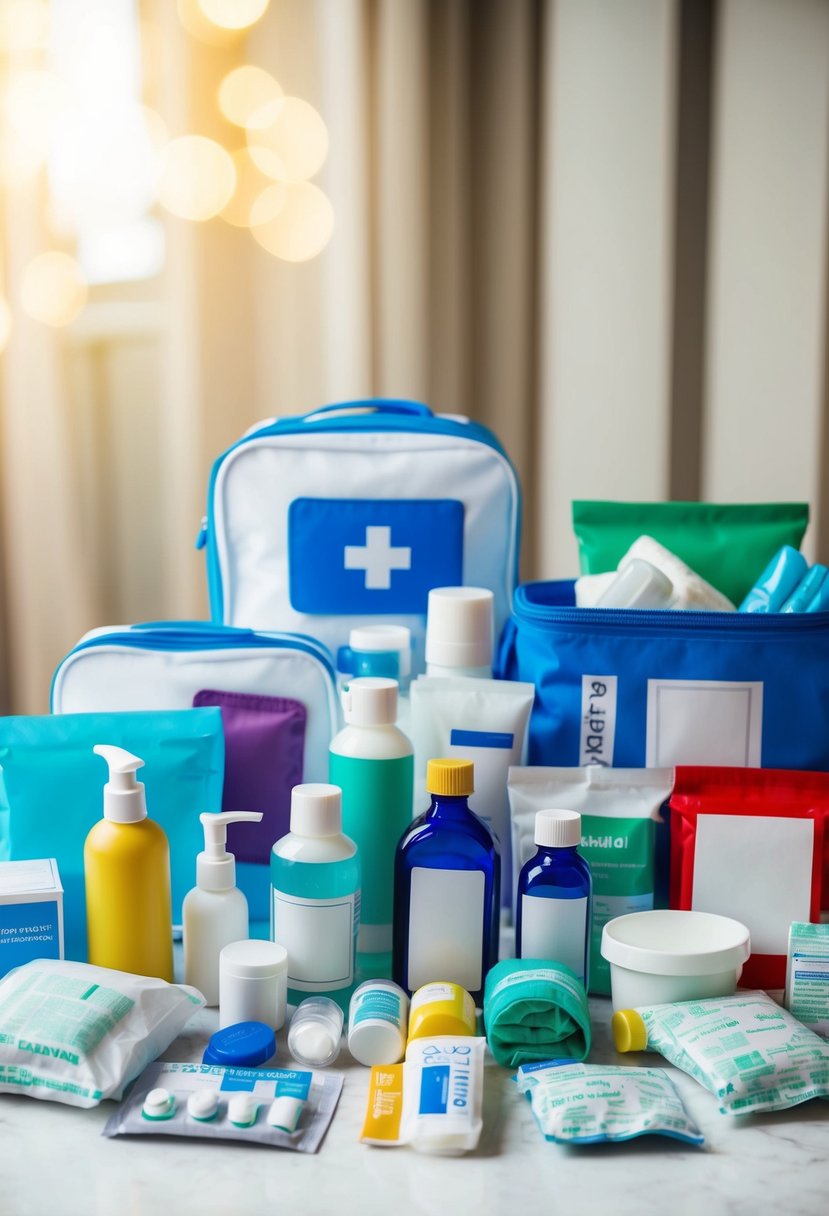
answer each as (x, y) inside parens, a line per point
(253, 959)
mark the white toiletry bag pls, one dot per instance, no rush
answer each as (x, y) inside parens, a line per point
(279, 705)
(351, 514)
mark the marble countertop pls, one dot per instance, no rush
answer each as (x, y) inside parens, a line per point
(53, 1160)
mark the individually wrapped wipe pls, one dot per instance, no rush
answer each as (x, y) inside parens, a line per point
(600, 1104)
(74, 1033)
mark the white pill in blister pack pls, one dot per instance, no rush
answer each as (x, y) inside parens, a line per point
(284, 1113)
(203, 1104)
(242, 1110)
(159, 1104)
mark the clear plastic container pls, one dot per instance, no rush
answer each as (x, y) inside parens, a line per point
(316, 1031)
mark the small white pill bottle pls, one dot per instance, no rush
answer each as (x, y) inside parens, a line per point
(377, 1023)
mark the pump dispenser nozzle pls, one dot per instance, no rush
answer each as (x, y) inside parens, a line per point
(124, 800)
(215, 867)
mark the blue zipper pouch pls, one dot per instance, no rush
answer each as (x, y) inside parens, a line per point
(635, 688)
(351, 514)
(53, 785)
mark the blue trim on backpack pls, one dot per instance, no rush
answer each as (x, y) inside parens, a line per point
(201, 635)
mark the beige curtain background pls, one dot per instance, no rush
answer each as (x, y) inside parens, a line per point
(599, 226)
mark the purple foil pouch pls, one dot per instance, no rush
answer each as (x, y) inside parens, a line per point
(264, 750)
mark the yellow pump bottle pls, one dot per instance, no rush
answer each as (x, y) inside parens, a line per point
(126, 861)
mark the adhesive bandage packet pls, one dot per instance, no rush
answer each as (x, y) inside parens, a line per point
(601, 1104)
(277, 1107)
(751, 1054)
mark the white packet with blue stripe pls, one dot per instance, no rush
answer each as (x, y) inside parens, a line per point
(601, 1104)
(443, 1094)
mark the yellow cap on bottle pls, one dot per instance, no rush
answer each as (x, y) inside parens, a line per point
(441, 1008)
(452, 778)
(629, 1031)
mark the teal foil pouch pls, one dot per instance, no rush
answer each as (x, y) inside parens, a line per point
(53, 791)
(535, 1010)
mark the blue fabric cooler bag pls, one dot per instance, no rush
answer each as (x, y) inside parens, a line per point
(636, 687)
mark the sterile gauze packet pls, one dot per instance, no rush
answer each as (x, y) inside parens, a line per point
(600, 1104)
(277, 1107)
(74, 1033)
(746, 1049)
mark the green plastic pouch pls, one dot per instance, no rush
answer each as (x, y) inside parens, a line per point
(727, 544)
(620, 810)
(535, 1010)
(53, 786)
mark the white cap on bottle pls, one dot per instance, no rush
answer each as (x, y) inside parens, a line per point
(377, 639)
(316, 809)
(215, 867)
(459, 627)
(370, 701)
(556, 829)
(124, 800)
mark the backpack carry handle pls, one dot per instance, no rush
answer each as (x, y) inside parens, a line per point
(378, 405)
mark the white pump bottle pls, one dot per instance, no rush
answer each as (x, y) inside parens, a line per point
(215, 911)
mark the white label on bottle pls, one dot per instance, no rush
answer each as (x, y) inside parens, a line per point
(598, 720)
(554, 929)
(319, 937)
(704, 722)
(446, 927)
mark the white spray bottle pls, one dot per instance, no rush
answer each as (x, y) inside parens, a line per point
(215, 911)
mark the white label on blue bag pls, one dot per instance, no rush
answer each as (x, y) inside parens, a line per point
(704, 722)
(598, 720)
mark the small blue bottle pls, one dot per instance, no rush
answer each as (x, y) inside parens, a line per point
(553, 905)
(315, 897)
(447, 880)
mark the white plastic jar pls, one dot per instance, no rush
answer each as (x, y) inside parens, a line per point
(253, 979)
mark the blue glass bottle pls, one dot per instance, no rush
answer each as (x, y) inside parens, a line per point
(447, 889)
(554, 897)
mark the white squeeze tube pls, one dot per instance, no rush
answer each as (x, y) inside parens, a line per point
(484, 721)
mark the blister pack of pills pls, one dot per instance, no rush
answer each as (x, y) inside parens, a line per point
(280, 1107)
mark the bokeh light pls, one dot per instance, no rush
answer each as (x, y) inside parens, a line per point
(294, 146)
(193, 20)
(5, 323)
(197, 177)
(233, 14)
(250, 184)
(53, 290)
(247, 96)
(295, 226)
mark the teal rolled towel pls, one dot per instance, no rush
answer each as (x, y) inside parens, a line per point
(535, 1010)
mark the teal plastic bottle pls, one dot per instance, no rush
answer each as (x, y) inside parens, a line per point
(315, 897)
(373, 763)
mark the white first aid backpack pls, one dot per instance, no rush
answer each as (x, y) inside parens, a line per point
(350, 515)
